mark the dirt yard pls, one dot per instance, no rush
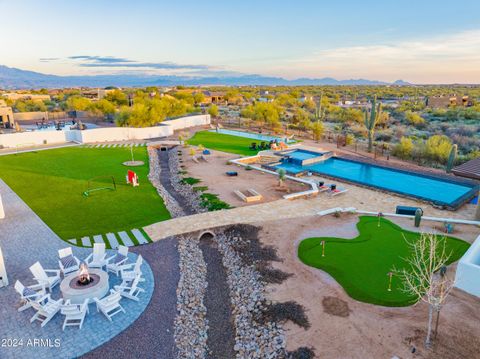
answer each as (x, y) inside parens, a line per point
(344, 328)
(212, 174)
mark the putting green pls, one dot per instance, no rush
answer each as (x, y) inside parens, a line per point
(52, 183)
(361, 265)
(224, 143)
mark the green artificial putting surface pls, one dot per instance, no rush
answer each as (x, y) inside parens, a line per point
(224, 143)
(52, 183)
(361, 265)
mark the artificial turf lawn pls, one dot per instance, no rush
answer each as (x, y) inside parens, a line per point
(361, 265)
(52, 183)
(224, 143)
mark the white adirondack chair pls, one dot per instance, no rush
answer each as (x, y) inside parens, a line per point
(128, 273)
(67, 261)
(131, 291)
(33, 293)
(47, 310)
(110, 305)
(74, 313)
(98, 258)
(118, 261)
(42, 276)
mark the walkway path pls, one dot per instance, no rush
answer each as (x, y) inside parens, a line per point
(25, 239)
(360, 198)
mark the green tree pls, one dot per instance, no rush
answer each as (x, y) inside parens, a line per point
(117, 97)
(318, 130)
(213, 111)
(78, 103)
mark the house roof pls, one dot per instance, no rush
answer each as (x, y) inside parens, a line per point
(470, 169)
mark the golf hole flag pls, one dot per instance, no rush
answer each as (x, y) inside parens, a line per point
(132, 178)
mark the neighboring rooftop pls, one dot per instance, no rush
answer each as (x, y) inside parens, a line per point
(470, 169)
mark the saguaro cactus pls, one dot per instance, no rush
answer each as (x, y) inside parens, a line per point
(372, 118)
(418, 217)
(451, 158)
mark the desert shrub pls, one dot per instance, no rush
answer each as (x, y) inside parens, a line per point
(404, 149)
(438, 148)
(414, 119)
(190, 180)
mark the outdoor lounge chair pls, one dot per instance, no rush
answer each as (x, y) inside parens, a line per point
(33, 293)
(334, 190)
(110, 305)
(131, 291)
(46, 310)
(98, 258)
(131, 271)
(74, 313)
(43, 278)
(117, 262)
(322, 187)
(253, 146)
(67, 261)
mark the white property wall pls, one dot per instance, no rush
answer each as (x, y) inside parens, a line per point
(468, 270)
(103, 134)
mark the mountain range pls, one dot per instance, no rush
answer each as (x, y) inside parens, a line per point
(13, 78)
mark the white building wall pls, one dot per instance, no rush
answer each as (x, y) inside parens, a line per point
(467, 277)
(102, 134)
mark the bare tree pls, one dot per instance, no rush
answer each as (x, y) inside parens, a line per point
(424, 276)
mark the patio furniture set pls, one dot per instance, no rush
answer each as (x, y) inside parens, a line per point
(83, 283)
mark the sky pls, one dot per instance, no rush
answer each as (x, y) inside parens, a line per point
(421, 41)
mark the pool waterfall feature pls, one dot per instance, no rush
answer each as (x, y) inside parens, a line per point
(441, 191)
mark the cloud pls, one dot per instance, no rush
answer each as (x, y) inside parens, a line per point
(49, 59)
(447, 58)
(116, 62)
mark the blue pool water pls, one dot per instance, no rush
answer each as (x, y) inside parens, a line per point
(416, 185)
(303, 155)
(253, 136)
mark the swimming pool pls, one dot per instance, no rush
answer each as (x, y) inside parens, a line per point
(436, 190)
(253, 136)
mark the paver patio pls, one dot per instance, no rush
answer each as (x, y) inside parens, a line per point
(25, 239)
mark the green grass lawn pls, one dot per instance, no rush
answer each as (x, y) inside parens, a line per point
(52, 183)
(224, 143)
(361, 265)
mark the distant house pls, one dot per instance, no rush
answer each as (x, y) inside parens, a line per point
(447, 101)
(264, 93)
(96, 94)
(216, 97)
(6, 117)
(25, 96)
(305, 98)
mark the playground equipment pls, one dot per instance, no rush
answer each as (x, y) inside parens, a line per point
(132, 178)
(92, 187)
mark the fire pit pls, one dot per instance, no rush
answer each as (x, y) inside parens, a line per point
(85, 284)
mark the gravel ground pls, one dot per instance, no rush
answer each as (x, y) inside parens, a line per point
(151, 335)
(166, 180)
(221, 333)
